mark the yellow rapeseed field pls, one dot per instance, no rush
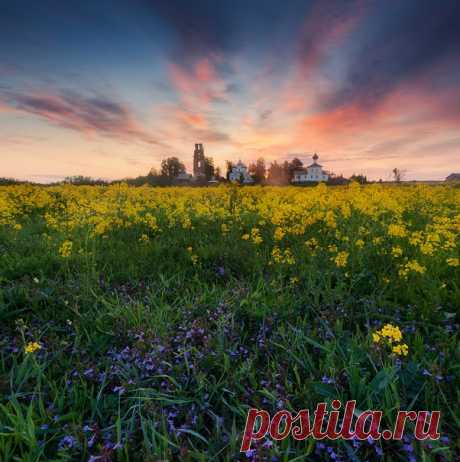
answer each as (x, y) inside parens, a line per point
(415, 227)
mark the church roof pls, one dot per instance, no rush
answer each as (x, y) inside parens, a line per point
(315, 165)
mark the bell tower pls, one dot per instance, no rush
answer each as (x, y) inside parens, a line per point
(198, 161)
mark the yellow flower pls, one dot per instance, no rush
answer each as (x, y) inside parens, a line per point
(401, 349)
(312, 243)
(144, 238)
(453, 261)
(412, 266)
(66, 249)
(278, 234)
(294, 280)
(390, 332)
(427, 249)
(359, 243)
(341, 259)
(396, 251)
(255, 235)
(391, 336)
(280, 256)
(245, 237)
(397, 230)
(32, 347)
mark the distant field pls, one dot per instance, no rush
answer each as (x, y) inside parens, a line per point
(142, 323)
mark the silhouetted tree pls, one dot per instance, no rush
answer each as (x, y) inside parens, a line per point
(209, 167)
(337, 180)
(80, 180)
(258, 170)
(290, 167)
(10, 181)
(229, 168)
(361, 179)
(398, 175)
(277, 174)
(171, 167)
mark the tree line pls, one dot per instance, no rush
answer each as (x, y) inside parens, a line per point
(172, 172)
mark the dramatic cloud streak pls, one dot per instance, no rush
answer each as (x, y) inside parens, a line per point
(90, 116)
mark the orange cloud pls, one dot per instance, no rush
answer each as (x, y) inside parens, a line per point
(190, 119)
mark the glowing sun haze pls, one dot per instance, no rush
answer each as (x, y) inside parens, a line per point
(109, 88)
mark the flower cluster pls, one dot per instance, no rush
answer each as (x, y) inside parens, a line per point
(341, 259)
(283, 256)
(66, 249)
(392, 336)
(32, 347)
(412, 266)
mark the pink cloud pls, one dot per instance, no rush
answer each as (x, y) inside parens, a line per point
(88, 115)
(199, 85)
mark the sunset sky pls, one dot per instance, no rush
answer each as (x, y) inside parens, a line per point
(109, 88)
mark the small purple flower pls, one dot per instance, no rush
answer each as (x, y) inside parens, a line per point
(408, 448)
(119, 390)
(91, 441)
(250, 454)
(68, 442)
(328, 380)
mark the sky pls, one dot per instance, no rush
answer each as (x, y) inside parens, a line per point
(109, 88)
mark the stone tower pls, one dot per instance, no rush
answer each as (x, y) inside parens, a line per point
(198, 162)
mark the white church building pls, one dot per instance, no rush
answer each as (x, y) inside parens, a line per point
(240, 173)
(312, 173)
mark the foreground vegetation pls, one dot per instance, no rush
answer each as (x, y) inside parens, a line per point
(141, 324)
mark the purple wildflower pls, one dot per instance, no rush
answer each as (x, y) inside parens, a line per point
(67, 442)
